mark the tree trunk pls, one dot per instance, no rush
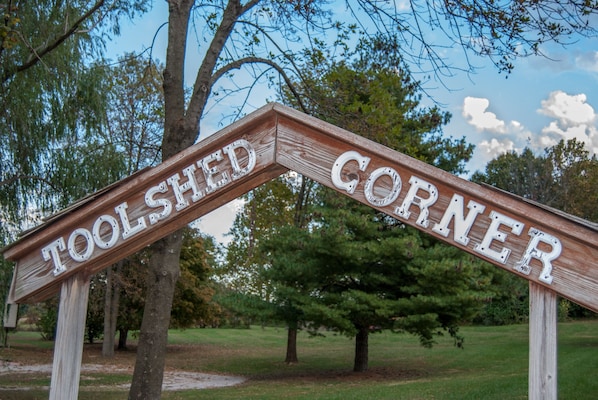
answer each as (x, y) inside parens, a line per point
(111, 309)
(122, 338)
(291, 346)
(163, 272)
(361, 349)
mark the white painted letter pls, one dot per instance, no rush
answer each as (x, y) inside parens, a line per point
(532, 251)
(493, 233)
(97, 235)
(154, 203)
(121, 210)
(234, 161)
(338, 165)
(72, 244)
(50, 252)
(413, 198)
(368, 188)
(191, 184)
(461, 225)
(209, 172)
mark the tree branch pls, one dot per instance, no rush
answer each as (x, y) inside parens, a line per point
(203, 81)
(237, 64)
(15, 178)
(36, 56)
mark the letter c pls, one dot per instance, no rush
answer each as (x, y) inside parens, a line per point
(337, 167)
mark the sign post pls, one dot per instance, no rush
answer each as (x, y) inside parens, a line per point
(543, 310)
(557, 253)
(70, 332)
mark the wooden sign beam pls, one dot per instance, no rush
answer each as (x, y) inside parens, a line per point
(547, 247)
(135, 212)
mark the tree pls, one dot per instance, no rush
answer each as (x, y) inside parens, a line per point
(124, 140)
(355, 268)
(268, 209)
(134, 122)
(368, 272)
(133, 290)
(255, 34)
(49, 93)
(192, 304)
(523, 174)
(563, 177)
(366, 93)
(574, 175)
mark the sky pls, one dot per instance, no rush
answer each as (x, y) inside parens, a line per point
(544, 100)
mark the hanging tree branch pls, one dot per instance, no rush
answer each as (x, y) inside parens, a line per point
(37, 54)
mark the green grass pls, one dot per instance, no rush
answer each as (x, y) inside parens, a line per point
(493, 365)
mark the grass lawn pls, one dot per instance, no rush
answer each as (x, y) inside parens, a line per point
(493, 365)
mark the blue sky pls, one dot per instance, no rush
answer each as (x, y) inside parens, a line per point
(542, 101)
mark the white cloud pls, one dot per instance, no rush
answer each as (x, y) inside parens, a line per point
(570, 110)
(474, 111)
(494, 136)
(573, 132)
(545, 142)
(573, 117)
(495, 147)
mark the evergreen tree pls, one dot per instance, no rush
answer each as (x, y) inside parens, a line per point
(354, 268)
(358, 270)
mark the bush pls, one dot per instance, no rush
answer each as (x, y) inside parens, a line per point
(48, 320)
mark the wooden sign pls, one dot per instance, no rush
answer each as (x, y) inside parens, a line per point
(135, 212)
(545, 246)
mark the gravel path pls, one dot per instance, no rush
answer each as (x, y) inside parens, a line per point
(173, 380)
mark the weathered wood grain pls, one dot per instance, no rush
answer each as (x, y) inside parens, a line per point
(502, 230)
(543, 310)
(70, 332)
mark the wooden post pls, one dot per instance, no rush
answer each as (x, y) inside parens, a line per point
(10, 315)
(542, 343)
(68, 348)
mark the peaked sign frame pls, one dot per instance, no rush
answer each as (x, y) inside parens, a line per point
(557, 253)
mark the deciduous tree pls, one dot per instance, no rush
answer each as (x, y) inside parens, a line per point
(192, 304)
(50, 96)
(268, 209)
(52, 104)
(134, 122)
